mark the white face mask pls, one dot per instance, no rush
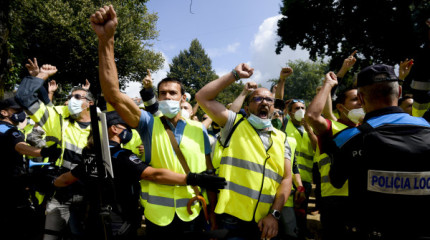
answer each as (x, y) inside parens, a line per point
(259, 123)
(299, 114)
(169, 108)
(355, 115)
(75, 107)
(185, 114)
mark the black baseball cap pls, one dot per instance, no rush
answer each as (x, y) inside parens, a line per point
(113, 118)
(367, 76)
(9, 103)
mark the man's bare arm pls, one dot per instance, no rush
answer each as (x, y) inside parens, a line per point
(238, 102)
(285, 73)
(206, 96)
(315, 109)
(104, 23)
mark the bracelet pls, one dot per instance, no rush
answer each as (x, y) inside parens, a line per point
(235, 74)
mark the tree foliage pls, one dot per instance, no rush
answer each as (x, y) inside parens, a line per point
(58, 32)
(306, 77)
(383, 31)
(194, 68)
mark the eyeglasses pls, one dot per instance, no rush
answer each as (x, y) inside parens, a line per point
(260, 99)
(298, 100)
(77, 96)
(279, 112)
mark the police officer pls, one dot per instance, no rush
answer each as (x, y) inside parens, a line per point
(386, 162)
(18, 211)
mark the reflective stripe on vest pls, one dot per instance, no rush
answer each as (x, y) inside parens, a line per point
(303, 152)
(252, 174)
(324, 164)
(162, 202)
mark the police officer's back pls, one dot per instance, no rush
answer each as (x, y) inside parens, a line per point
(386, 161)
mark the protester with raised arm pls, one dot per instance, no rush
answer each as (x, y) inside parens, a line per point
(165, 205)
(255, 160)
(334, 202)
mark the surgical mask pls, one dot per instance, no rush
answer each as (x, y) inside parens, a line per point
(277, 123)
(259, 123)
(125, 136)
(18, 117)
(356, 114)
(75, 107)
(299, 114)
(169, 108)
(185, 114)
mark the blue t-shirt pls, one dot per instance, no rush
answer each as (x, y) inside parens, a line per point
(145, 127)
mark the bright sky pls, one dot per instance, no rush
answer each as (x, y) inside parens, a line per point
(230, 31)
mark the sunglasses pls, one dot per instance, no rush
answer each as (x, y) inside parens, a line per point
(77, 96)
(298, 100)
(279, 112)
(260, 99)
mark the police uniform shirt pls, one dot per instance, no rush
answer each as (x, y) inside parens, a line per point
(388, 169)
(127, 168)
(13, 162)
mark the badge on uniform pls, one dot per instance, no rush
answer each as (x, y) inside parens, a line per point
(17, 134)
(135, 159)
(403, 183)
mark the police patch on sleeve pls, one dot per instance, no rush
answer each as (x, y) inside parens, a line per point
(135, 159)
(402, 183)
(17, 134)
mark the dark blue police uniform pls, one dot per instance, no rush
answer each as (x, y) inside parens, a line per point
(387, 163)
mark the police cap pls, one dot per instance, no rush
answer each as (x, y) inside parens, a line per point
(113, 118)
(368, 75)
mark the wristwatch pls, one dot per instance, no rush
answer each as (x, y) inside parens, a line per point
(276, 214)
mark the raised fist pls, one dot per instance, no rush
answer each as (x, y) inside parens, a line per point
(285, 72)
(244, 70)
(104, 23)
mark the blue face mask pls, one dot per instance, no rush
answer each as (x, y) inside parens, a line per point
(169, 108)
(18, 117)
(75, 107)
(125, 136)
(259, 123)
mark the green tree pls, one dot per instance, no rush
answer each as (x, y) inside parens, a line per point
(306, 77)
(383, 31)
(193, 67)
(58, 32)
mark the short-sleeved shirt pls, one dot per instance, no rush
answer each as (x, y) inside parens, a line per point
(127, 168)
(264, 134)
(145, 128)
(12, 173)
(9, 137)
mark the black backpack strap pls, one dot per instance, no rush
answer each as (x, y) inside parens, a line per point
(231, 132)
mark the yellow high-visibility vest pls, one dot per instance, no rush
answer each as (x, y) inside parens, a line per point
(162, 202)
(303, 152)
(253, 174)
(324, 163)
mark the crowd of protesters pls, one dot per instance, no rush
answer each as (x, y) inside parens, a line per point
(245, 170)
